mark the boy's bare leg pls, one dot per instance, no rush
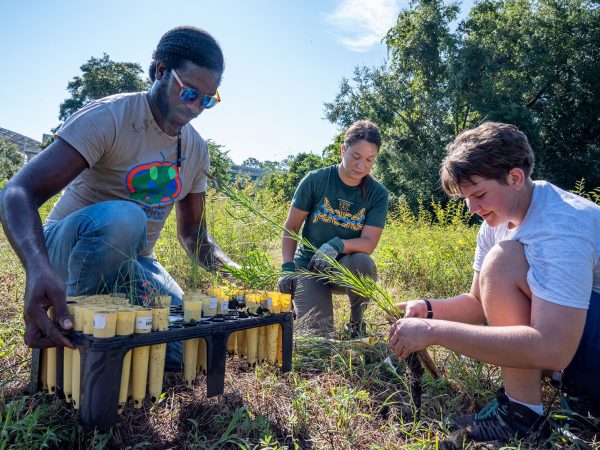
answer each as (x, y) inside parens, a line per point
(506, 300)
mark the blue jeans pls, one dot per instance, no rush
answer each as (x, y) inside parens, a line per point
(96, 251)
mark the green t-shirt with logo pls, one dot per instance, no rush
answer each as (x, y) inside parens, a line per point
(336, 209)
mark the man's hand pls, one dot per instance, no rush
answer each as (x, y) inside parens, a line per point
(43, 290)
(409, 335)
(287, 281)
(211, 258)
(330, 249)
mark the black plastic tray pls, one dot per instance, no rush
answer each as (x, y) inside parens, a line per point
(102, 360)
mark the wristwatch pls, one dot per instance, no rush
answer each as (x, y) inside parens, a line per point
(429, 309)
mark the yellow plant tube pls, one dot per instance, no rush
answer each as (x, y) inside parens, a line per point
(232, 343)
(125, 327)
(78, 316)
(139, 369)
(51, 361)
(253, 303)
(261, 345)
(273, 331)
(285, 303)
(192, 309)
(209, 305)
(202, 357)
(119, 300)
(269, 300)
(251, 342)
(68, 361)
(105, 323)
(88, 319)
(160, 322)
(163, 301)
(241, 341)
(78, 312)
(223, 305)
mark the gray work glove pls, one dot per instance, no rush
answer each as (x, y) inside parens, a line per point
(287, 281)
(331, 249)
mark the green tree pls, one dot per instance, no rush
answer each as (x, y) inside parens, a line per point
(220, 162)
(332, 153)
(284, 182)
(251, 162)
(533, 63)
(407, 98)
(11, 160)
(102, 77)
(536, 64)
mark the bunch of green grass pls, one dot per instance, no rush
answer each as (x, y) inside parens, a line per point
(256, 272)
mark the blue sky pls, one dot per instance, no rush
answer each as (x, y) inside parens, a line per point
(284, 60)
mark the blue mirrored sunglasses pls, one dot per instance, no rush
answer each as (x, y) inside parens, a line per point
(189, 94)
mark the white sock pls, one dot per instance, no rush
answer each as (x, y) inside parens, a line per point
(538, 409)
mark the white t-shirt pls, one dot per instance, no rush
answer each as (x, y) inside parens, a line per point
(561, 237)
(131, 158)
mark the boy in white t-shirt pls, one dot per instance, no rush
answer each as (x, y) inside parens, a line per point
(536, 280)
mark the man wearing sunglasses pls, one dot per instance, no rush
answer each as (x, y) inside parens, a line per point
(124, 160)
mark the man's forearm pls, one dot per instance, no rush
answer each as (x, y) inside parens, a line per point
(23, 227)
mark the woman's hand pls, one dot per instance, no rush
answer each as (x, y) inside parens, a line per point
(329, 251)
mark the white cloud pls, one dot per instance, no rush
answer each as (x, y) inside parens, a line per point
(360, 24)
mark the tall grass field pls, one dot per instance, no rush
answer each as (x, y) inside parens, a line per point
(335, 397)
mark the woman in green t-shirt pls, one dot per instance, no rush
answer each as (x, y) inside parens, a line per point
(343, 210)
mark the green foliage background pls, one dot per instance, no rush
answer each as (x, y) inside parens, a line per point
(533, 63)
(11, 160)
(102, 77)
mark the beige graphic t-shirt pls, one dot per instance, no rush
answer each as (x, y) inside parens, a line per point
(131, 158)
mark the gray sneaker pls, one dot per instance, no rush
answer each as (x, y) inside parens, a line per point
(500, 420)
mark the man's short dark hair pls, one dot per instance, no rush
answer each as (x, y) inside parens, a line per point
(490, 151)
(187, 43)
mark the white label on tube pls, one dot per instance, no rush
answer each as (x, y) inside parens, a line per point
(99, 322)
(224, 306)
(269, 302)
(143, 323)
(213, 302)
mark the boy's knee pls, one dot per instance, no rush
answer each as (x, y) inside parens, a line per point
(505, 263)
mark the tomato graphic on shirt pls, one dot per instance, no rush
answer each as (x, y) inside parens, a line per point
(154, 183)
